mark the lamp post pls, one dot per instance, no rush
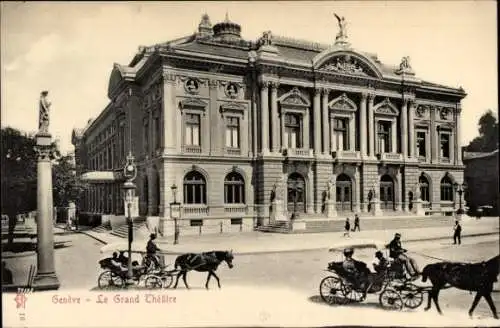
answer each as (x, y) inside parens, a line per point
(175, 212)
(129, 172)
(460, 189)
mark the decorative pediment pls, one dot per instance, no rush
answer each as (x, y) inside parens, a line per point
(193, 103)
(294, 98)
(346, 62)
(118, 76)
(342, 103)
(386, 107)
(233, 107)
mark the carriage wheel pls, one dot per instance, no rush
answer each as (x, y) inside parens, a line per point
(412, 296)
(153, 282)
(109, 280)
(390, 299)
(167, 280)
(331, 292)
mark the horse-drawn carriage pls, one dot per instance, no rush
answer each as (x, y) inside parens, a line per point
(117, 277)
(394, 289)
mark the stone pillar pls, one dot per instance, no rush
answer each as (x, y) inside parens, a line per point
(434, 137)
(46, 278)
(264, 108)
(331, 209)
(411, 133)
(305, 130)
(404, 129)
(317, 121)
(352, 133)
(394, 137)
(169, 116)
(399, 199)
(326, 123)
(458, 152)
(362, 126)
(358, 190)
(371, 125)
(275, 125)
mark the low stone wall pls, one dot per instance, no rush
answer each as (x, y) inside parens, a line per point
(209, 226)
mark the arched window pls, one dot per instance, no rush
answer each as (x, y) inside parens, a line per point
(234, 189)
(424, 188)
(195, 191)
(446, 189)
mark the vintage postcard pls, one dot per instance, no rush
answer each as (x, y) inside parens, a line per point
(223, 164)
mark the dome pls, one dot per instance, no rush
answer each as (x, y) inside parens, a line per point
(227, 30)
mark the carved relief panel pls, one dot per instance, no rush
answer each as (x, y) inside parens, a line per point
(192, 86)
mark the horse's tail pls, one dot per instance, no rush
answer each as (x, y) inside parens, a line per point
(426, 272)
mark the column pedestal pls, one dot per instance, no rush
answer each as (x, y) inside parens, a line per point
(376, 207)
(278, 213)
(46, 278)
(417, 208)
(331, 211)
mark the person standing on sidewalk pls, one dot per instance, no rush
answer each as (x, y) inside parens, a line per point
(347, 228)
(458, 231)
(356, 222)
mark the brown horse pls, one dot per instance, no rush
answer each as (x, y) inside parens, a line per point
(474, 277)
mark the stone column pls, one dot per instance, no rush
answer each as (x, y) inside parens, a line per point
(399, 194)
(394, 138)
(358, 190)
(46, 278)
(326, 123)
(264, 108)
(275, 126)
(168, 116)
(362, 126)
(404, 129)
(305, 130)
(411, 133)
(352, 132)
(371, 125)
(434, 137)
(458, 153)
(317, 121)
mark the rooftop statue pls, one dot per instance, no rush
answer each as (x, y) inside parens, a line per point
(405, 63)
(342, 26)
(43, 113)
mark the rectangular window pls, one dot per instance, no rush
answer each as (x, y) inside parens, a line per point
(340, 134)
(445, 145)
(421, 151)
(384, 137)
(233, 132)
(237, 221)
(192, 130)
(293, 135)
(196, 223)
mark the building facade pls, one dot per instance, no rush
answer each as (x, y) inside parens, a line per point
(226, 120)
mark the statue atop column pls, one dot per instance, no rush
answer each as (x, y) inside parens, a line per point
(279, 189)
(330, 189)
(43, 113)
(342, 34)
(417, 191)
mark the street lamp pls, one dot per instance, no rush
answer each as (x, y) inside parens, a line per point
(130, 172)
(175, 212)
(460, 189)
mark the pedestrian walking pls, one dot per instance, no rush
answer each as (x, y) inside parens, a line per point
(458, 231)
(356, 223)
(347, 228)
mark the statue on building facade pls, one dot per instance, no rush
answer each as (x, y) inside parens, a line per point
(417, 191)
(330, 189)
(279, 189)
(374, 191)
(405, 67)
(342, 27)
(266, 39)
(43, 113)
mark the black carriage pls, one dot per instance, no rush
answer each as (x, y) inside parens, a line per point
(395, 291)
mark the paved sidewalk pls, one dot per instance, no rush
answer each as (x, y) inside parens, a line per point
(258, 242)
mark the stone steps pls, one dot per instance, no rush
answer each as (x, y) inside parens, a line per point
(138, 228)
(277, 227)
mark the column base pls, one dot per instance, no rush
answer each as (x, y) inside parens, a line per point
(46, 281)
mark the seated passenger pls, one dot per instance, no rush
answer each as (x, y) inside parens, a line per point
(357, 270)
(115, 262)
(382, 264)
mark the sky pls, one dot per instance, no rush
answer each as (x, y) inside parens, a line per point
(69, 48)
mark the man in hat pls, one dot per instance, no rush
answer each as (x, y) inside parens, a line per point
(151, 250)
(398, 253)
(357, 270)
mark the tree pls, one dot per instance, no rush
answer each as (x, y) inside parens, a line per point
(487, 141)
(68, 187)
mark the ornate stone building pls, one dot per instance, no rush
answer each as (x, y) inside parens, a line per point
(227, 119)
